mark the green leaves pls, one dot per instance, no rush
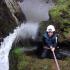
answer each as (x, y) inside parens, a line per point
(60, 16)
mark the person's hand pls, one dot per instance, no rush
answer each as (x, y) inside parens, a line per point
(52, 48)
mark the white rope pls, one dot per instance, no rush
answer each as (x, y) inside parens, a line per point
(58, 68)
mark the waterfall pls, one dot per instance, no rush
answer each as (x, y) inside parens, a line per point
(28, 30)
(35, 11)
(4, 51)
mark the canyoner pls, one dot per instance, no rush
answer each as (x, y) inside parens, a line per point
(50, 47)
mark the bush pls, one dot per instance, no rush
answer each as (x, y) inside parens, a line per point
(60, 16)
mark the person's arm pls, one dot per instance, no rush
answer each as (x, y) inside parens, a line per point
(46, 41)
(55, 41)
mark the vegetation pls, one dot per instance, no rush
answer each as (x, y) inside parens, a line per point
(19, 60)
(26, 61)
(60, 16)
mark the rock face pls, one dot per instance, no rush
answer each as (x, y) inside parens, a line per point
(8, 20)
(15, 10)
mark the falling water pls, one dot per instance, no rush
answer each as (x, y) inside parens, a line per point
(35, 11)
(28, 30)
(4, 51)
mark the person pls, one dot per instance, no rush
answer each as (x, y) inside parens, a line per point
(49, 41)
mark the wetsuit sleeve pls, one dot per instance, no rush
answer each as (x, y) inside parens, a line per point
(54, 43)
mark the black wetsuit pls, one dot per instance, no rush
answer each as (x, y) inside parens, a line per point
(48, 41)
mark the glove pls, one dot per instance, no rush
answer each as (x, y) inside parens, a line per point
(52, 48)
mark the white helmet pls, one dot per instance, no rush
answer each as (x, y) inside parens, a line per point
(50, 28)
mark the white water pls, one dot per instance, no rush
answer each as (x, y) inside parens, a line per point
(4, 51)
(35, 11)
(28, 30)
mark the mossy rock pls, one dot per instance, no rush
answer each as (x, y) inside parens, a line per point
(17, 59)
(22, 61)
(60, 17)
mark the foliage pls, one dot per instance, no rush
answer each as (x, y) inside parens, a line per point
(31, 62)
(60, 15)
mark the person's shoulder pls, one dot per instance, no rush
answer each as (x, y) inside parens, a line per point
(55, 35)
(45, 35)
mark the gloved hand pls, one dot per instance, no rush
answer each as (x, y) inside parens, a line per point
(52, 48)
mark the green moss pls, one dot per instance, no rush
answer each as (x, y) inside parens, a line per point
(17, 51)
(60, 16)
(61, 1)
(31, 62)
